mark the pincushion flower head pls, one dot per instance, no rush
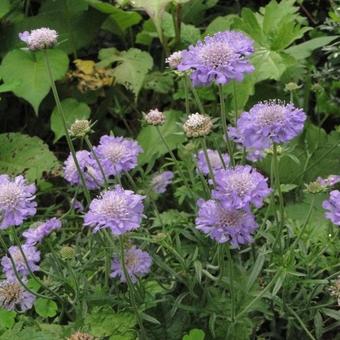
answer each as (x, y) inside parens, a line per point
(214, 159)
(36, 234)
(235, 226)
(117, 209)
(89, 167)
(155, 117)
(267, 123)
(332, 207)
(40, 38)
(240, 187)
(219, 58)
(174, 59)
(14, 297)
(160, 181)
(117, 154)
(197, 125)
(137, 264)
(16, 201)
(32, 256)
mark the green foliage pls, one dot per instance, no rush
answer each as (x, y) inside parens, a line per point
(45, 308)
(73, 110)
(195, 334)
(30, 156)
(7, 319)
(28, 70)
(133, 66)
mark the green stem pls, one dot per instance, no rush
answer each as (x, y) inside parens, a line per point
(205, 150)
(90, 146)
(196, 96)
(224, 124)
(235, 101)
(131, 288)
(281, 202)
(300, 322)
(231, 278)
(68, 138)
(186, 93)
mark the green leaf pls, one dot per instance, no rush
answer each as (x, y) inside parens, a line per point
(133, 66)
(9, 87)
(304, 50)
(256, 270)
(159, 82)
(5, 7)
(7, 318)
(30, 71)
(73, 110)
(194, 334)
(150, 141)
(220, 24)
(29, 156)
(46, 308)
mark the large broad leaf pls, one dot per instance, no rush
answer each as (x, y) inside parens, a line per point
(29, 156)
(29, 69)
(151, 143)
(133, 66)
(73, 110)
(45, 308)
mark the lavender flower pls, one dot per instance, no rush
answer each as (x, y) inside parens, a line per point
(329, 181)
(332, 207)
(118, 154)
(39, 39)
(220, 58)
(32, 256)
(225, 225)
(239, 187)
(16, 201)
(89, 167)
(174, 59)
(160, 181)
(265, 124)
(214, 159)
(13, 296)
(118, 209)
(35, 235)
(137, 264)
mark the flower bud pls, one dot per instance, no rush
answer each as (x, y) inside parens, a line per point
(80, 128)
(197, 125)
(155, 117)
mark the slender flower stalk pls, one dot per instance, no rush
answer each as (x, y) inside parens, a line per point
(231, 279)
(68, 138)
(235, 101)
(224, 124)
(205, 150)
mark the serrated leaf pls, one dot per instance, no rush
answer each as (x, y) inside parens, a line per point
(150, 141)
(29, 156)
(45, 308)
(73, 110)
(133, 66)
(29, 70)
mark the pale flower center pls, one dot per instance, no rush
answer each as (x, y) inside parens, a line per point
(131, 260)
(216, 54)
(241, 183)
(115, 152)
(115, 207)
(10, 293)
(10, 195)
(229, 219)
(270, 115)
(215, 160)
(195, 121)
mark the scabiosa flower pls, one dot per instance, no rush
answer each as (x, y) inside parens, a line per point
(235, 226)
(118, 154)
(197, 125)
(39, 39)
(239, 187)
(155, 117)
(267, 123)
(13, 296)
(334, 289)
(220, 58)
(214, 159)
(137, 264)
(160, 181)
(174, 59)
(32, 256)
(332, 207)
(118, 209)
(16, 201)
(37, 234)
(329, 181)
(92, 175)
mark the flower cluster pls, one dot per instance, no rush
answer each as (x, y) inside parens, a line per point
(197, 125)
(219, 58)
(217, 161)
(265, 124)
(137, 264)
(39, 39)
(16, 201)
(37, 234)
(332, 207)
(160, 181)
(117, 209)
